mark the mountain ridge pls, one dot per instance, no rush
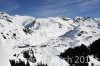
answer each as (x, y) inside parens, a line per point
(45, 38)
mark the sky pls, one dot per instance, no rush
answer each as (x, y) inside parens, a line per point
(51, 8)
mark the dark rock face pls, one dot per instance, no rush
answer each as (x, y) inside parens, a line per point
(27, 31)
(4, 36)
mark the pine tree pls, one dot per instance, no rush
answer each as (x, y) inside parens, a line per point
(42, 64)
(27, 64)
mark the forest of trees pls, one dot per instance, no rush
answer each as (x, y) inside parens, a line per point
(20, 63)
(83, 52)
(79, 51)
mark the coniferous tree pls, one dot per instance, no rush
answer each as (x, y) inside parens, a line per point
(27, 64)
(40, 64)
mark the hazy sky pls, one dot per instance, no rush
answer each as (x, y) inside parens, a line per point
(46, 8)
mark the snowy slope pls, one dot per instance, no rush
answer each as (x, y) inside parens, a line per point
(44, 39)
(4, 61)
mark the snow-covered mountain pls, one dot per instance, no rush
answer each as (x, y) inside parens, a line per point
(42, 41)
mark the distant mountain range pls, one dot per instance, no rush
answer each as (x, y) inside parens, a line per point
(34, 41)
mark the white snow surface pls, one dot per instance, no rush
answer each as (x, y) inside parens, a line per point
(48, 37)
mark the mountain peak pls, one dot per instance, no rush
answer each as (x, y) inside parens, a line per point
(35, 40)
(5, 16)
